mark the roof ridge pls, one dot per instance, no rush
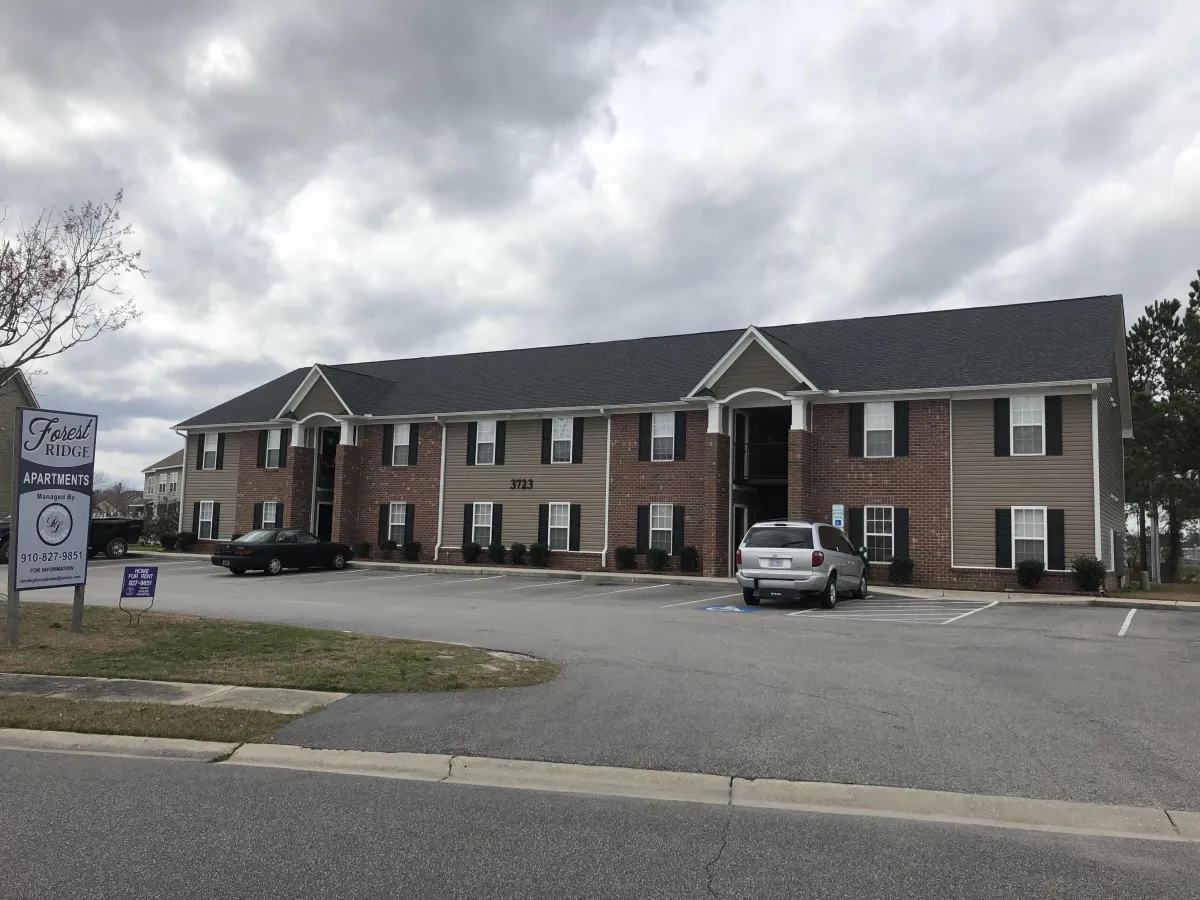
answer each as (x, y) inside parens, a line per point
(949, 309)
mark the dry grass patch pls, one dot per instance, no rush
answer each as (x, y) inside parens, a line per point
(173, 647)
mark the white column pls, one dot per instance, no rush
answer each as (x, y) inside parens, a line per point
(716, 418)
(297, 435)
(799, 414)
(347, 437)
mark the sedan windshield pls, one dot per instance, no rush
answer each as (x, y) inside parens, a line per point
(256, 537)
(780, 536)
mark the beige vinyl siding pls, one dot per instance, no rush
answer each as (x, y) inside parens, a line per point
(218, 485)
(984, 482)
(12, 395)
(754, 368)
(319, 399)
(581, 483)
(1112, 472)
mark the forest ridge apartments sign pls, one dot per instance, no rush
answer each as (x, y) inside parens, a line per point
(56, 458)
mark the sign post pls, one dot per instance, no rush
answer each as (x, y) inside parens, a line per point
(54, 466)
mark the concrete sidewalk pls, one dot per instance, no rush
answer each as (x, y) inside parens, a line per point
(176, 693)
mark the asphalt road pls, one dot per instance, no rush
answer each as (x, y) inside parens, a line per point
(1027, 701)
(84, 827)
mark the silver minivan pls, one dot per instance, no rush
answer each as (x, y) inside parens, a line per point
(787, 559)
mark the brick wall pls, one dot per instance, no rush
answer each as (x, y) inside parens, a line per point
(801, 480)
(257, 485)
(348, 525)
(298, 511)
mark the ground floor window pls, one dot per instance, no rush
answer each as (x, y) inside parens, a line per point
(481, 531)
(396, 521)
(662, 521)
(560, 526)
(206, 521)
(880, 533)
(1029, 533)
(271, 515)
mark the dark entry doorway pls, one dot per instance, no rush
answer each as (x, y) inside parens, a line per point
(325, 521)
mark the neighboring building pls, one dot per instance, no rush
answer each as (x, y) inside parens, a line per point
(14, 392)
(966, 439)
(164, 483)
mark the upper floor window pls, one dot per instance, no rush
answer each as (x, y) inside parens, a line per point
(210, 450)
(562, 435)
(174, 482)
(149, 484)
(400, 439)
(662, 436)
(274, 441)
(485, 442)
(162, 482)
(879, 429)
(1028, 425)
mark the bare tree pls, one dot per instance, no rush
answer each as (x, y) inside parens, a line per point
(61, 282)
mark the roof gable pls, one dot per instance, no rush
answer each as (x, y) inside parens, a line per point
(751, 358)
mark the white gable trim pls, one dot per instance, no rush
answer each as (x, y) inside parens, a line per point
(314, 374)
(725, 363)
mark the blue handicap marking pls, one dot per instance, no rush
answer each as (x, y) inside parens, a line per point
(735, 609)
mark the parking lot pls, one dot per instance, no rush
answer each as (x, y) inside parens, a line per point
(1059, 702)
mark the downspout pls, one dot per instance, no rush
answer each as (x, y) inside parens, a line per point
(1096, 468)
(607, 490)
(437, 549)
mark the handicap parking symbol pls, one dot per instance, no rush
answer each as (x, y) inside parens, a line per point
(733, 609)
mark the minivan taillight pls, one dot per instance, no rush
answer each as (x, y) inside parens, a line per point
(737, 557)
(818, 558)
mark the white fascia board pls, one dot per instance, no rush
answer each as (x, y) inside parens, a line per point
(749, 336)
(980, 392)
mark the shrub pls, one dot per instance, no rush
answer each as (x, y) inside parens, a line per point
(900, 570)
(1089, 573)
(387, 549)
(187, 540)
(516, 554)
(471, 551)
(626, 558)
(656, 559)
(411, 551)
(168, 541)
(1030, 572)
(496, 553)
(362, 549)
(539, 555)
(689, 559)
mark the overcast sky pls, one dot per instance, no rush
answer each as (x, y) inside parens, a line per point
(370, 179)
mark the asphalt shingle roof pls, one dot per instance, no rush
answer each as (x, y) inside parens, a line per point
(175, 460)
(1062, 340)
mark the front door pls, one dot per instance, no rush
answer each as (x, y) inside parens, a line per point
(325, 521)
(327, 459)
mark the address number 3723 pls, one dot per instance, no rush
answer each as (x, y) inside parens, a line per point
(521, 484)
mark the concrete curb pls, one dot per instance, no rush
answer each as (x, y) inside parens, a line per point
(407, 766)
(113, 745)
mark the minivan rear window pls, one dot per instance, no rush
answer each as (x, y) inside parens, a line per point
(781, 536)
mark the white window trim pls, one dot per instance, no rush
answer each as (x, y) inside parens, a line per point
(276, 435)
(211, 504)
(551, 527)
(569, 440)
(891, 431)
(475, 526)
(670, 529)
(654, 417)
(274, 504)
(406, 429)
(867, 534)
(1012, 426)
(491, 443)
(214, 436)
(403, 523)
(1012, 527)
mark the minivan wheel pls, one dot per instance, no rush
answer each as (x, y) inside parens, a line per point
(749, 598)
(274, 565)
(829, 595)
(860, 593)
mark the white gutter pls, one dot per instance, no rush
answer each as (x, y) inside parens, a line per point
(1096, 468)
(607, 492)
(837, 395)
(437, 549)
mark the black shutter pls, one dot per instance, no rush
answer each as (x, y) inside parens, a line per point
(576, 518)
(1118, 551)
(221, 450)
(413, 435)
(1054, 426)
(280, 522)
(389, 435)
(1000, 435)
(1004, 558)
(900, 421)
(547, 437)
(644, 423)
(258, 516)
(196, 519)
(900, 533)
(468, 521)
(501, 432)
(856, 429)
(855, 524)
(285, 437)
(577, 440)
(262, 448)
(472, 432)
(676, 530)
(497, 521)
(409, 516)
(544, 524)
(680, 436)
(643, 529)
(216, 525)
(385, 521)
(200, 451)
(1056, 539)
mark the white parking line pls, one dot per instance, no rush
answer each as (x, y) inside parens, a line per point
(647, 587)
(972, 612)
(531, 587)
(359, 579)
(466, 580)
(1125, 624)
(704, 600)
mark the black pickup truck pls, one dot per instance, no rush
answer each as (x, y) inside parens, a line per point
(111, 537)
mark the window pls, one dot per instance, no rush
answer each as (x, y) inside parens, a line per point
(210, 450)
(561, 437)
(662, 437)
(481, 530)
(173, 486)
(162, 482)
(879, 533)
(306, 537)
(149, 484)
(310, 437)
(400, 436)
(560, 526)
(879, 426)
(1028, 426)
(1029, 533)
(780, 536)
(274, 439)
(485, 446)
(206, 517)
(396, 516)
(287, 537)
(662, 521)
(271, 515)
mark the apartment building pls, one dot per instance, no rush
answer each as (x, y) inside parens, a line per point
(964, 439)
(15, 392)
(164, 481)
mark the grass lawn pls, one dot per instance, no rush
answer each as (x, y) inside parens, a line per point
(172, 647)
